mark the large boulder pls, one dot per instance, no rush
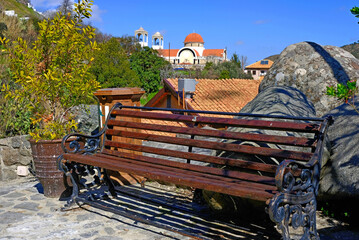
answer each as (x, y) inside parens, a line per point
(340, 175)
(310, 68)
(87, 117)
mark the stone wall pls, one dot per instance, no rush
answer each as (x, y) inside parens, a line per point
(14, 152)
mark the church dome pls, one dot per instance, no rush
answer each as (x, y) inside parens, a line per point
(157, 34)
(194, 38)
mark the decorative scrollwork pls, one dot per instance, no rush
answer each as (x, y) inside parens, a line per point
(295, 215)
(81, 143)
(295, 204)
(290, 181)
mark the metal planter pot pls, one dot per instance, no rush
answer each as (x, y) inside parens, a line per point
(45, 154)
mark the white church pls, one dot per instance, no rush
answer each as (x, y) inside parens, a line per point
(192, 54)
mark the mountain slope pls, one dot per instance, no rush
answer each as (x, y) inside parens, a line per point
(20, 8)
(352, 48)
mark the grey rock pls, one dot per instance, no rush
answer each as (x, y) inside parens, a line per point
(4, 142)
(28, 206)
(15, 195)
(37, 197)
(6, 204)
(109, 230)
(87, 117)
(282, 101)
(9, 174)
(43, 215)
(310, 68)
(89, 234)
(83, 217)
(3, 192)
(16, 142)
(26, 153)
(11, 217)
(14, 157)
(93, 224)
(26, 142)
(108, 238)
(339, 176)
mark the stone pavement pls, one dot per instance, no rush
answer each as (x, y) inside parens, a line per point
(26, 214)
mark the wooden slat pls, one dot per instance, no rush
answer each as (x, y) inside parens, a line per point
(193, 174)
(284, 140)
(195, 168)
(241, 189)
(269, 152)
(197, 157)
(259, 124)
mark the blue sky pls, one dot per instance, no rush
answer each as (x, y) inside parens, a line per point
(256, 29)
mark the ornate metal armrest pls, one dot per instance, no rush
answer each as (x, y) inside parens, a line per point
(90, 143)
(292, 176)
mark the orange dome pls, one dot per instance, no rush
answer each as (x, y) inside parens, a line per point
(194, 38)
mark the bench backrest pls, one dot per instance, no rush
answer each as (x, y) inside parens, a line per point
(252, 142)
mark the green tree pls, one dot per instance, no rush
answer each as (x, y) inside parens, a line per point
(355, 11)
(236, 60)
(147, 64)
(112, 66)
(224, 74)
(228, 69)
(53, 76)
(129, 44)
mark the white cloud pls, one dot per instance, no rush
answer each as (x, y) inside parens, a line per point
(46, 4)
(96, 13)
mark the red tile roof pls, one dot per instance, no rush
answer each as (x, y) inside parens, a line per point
(167, 52)
(194, 38)
(213, 52)
(260, 65)
(225, 95)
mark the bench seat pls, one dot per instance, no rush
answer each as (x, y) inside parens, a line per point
(275, 160)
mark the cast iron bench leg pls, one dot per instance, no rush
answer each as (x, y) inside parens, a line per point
(295, 205)
(74, 180)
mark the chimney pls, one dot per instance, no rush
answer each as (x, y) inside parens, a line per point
(188, 86)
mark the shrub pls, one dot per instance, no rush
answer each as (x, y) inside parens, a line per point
(53, 76)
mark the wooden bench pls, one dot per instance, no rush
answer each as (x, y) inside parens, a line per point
(143, 141)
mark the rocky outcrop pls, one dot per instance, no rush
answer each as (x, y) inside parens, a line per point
(87, 117)
(310, 68)
(339, 176)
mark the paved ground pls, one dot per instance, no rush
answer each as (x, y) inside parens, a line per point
(26, 214)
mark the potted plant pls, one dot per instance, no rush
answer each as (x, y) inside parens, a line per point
(53, 75)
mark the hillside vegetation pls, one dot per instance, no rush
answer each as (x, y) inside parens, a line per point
(353, 49)
(20, 8)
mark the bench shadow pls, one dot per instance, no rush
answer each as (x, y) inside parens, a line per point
(174, 211)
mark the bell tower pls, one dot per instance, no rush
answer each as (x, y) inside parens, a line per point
(141, 36)
(157, 41)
